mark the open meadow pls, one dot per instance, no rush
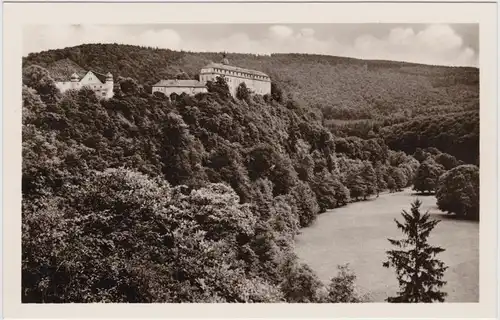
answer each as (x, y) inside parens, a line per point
(357, 234)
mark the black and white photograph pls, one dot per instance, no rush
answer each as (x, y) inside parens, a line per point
(299, 163)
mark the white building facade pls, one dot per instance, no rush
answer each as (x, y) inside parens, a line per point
(101, 84)
(168, 87)
(256, 81)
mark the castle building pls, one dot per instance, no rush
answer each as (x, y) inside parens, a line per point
(101, 84)
(168, 87)
(256, 81)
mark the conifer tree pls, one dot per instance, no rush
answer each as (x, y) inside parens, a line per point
(419, 272)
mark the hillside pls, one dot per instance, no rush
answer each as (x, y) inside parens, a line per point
(197, 199)
(343, 88)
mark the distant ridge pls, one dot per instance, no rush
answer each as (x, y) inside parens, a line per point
(344, 88)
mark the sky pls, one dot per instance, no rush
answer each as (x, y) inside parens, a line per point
(436, 44)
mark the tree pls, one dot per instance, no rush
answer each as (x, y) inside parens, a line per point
(399, 178)
(419, 272)
(370, 179)
(219, 87)
(301, 283)
(130, 86)
(174, 96)
(420, 155)
(427, 176)
(458, 192)
(447, 161)
(306, 203)
(38, 78)
(342, 288)
(324, 186)
(242, 92)
(182, 76)
(391, 184)
(276, 92)
(356, 185)
(381, 172)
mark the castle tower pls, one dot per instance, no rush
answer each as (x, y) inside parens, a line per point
(75, 79)
(109, 85)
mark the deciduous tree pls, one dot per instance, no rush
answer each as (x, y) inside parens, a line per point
(458, 192)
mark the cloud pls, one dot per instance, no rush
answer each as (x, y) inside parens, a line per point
(280, 32)
(436, 44)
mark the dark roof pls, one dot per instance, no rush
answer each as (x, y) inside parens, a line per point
(100, 76)
(237, 69)
(179, 83)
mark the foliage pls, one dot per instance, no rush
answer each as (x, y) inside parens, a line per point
(219, 87)
(122, 237)
(370, 179)
(39, 79)
(276, 92)
(458, 192)
(419, 272)
(242, 92)
(428, 173)
(447, 161)
(306, 203)
(342, 287)
(330, 192)
(301, 284)
(456, 134)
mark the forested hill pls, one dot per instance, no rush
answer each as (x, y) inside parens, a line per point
(343, 88)
(147, 198)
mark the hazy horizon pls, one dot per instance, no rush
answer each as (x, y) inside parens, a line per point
(430, 44)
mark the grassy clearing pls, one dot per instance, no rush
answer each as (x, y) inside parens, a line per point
(357, 234)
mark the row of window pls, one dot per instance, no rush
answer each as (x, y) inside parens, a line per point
(239, 74)
(228, 79)
(86, 85)
(165, 89)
